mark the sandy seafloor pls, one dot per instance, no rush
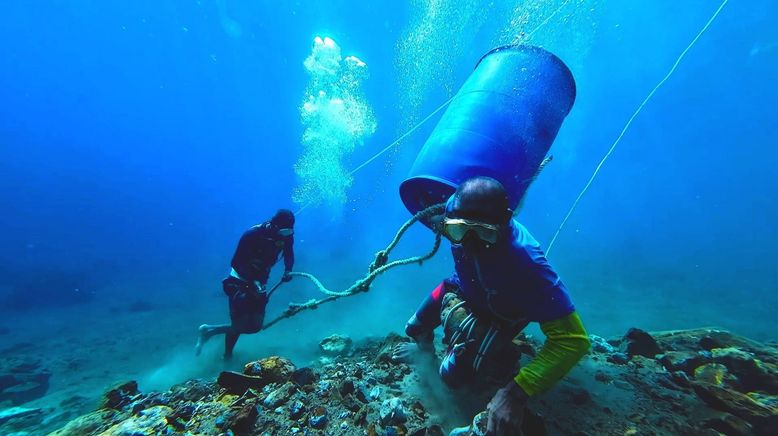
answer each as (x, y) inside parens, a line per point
(89, 347)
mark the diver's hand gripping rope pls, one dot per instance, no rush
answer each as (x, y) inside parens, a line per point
(377, 267)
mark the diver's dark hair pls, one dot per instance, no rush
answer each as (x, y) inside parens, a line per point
(481, 199)
(283, 218)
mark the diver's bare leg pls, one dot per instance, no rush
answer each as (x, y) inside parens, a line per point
(206, 331)
(230, 339)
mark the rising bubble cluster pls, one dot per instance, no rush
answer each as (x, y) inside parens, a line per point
(441, 33)
(336, 119)
(438, 32)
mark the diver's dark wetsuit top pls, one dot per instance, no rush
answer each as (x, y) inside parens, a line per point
(512, 280)
(258, 250)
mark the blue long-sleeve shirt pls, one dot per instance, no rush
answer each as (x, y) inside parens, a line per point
(258, 250)
(511, 280)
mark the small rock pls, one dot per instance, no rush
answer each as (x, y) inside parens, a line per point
(418, 409)
(350, 404)
(346, 387)
(243, 421)
(618, 358)
(752, 374)
(279, 396)
(361, 396)
(709, 343)
(323, 387)
(680, 378)
(731, 401)
(600, 345)
(304, 376)
(119, 395)
(192, 390)
(685, 361)
(149, 421)
(713, 373)
(360, 417)
(148, 401)
(296, 409)
(480, 422)
(638, 342)
(392, 412)
(318, 418)
(379, 375)
(237, 383)
(273, 369)
(336, 345)
(374, 393)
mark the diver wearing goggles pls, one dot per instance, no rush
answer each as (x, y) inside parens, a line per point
(477, 216)
(257, 252)
(455, 230)
(501, 282)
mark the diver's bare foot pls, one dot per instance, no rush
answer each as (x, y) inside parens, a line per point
(203, 336)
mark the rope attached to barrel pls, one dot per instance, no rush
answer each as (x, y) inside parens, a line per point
(377, 267)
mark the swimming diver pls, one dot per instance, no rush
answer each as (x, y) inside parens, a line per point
(246, 286)
(502, 281)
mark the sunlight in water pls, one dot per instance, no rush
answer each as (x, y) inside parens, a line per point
(336, 118)
(427, 56)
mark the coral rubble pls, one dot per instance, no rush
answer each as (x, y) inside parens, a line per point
(694, 382)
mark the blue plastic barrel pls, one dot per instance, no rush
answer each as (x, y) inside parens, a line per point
(500, 124)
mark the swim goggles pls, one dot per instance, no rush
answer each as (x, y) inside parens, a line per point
(455, 229)
(286, 232)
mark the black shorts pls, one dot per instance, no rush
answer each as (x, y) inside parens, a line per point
(247, 304)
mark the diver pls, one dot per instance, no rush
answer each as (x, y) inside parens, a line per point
(502, 282)
(246, 286)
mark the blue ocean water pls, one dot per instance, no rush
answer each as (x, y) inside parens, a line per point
(141, 139)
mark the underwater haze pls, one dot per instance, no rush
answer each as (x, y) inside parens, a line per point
(141, 139)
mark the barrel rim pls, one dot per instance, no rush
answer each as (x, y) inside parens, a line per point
(535, 48)
(521, 47)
